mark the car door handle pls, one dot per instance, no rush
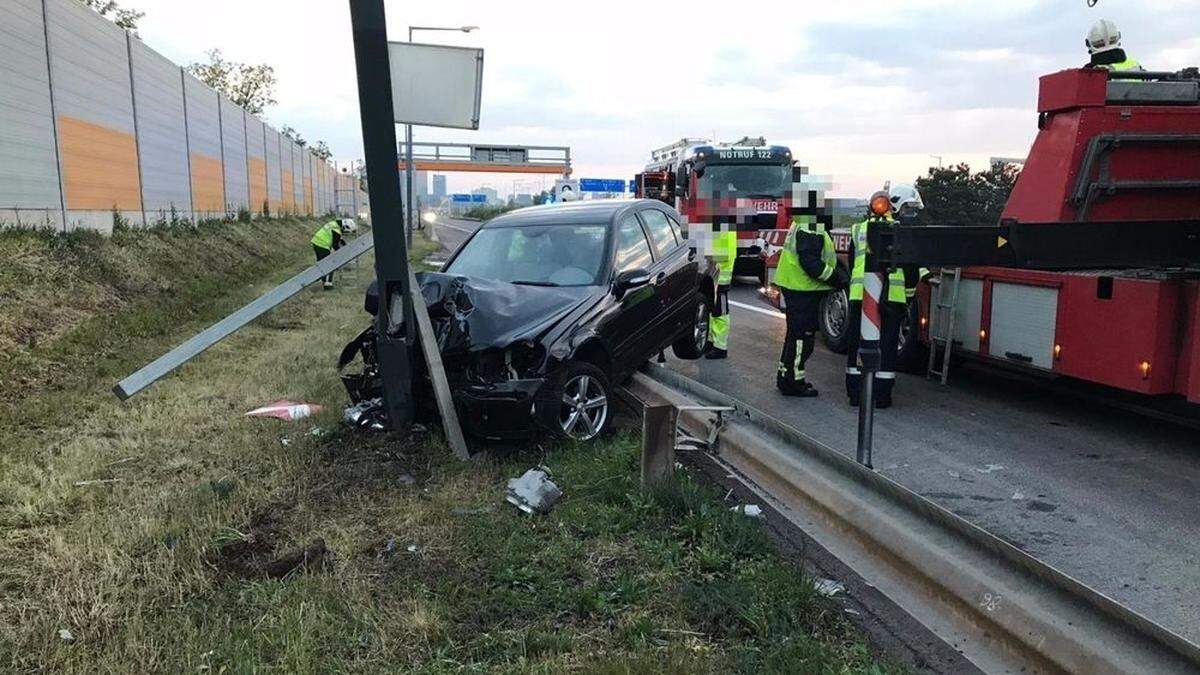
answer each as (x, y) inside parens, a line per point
(660, 277)
(691, 253)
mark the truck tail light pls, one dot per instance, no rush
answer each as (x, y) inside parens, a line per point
(1145, 370)
(982, 334)
(1057, 352)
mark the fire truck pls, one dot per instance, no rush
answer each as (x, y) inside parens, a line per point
(746, 184)
(1093, 272)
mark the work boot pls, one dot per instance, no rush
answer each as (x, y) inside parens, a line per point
(328, 285)
(715, 353)
(801, 389)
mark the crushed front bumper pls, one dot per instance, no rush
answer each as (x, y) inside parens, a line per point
(505, 410)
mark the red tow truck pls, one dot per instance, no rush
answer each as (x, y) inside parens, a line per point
(1093, 272)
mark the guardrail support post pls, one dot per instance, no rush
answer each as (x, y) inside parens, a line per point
(658, 444)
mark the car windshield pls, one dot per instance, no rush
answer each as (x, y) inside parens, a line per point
(536, 255)
(754, 180)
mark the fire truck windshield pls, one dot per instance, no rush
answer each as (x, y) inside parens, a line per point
(747, 180)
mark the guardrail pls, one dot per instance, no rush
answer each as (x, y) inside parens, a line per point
(1004, 609)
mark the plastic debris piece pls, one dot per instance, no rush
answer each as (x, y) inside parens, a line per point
(1018, 496)
(990, 468)
(533, 492)
(66, 635)
(285, 442)
(367, 414)
(286, 410)
(412, 548)
(954, 474)
(748, 510)
(828, 587)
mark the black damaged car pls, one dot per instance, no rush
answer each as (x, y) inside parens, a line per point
(542, 310)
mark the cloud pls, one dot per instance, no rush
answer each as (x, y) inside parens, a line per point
(867, 90)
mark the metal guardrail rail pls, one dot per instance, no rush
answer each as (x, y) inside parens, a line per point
(1003, 609)
(156, 369)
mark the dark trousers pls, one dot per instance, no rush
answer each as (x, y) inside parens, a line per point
(802, 309)
(889, 343)
(323, 253)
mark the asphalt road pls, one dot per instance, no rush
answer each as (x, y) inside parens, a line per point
(1106, 496)
(452, 232)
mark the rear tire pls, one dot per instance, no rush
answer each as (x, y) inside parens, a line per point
(911, 356)
(691, 345)
(834, 318)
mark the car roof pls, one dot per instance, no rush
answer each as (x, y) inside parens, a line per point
(573, 213)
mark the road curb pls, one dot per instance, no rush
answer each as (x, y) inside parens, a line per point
(1004, 609)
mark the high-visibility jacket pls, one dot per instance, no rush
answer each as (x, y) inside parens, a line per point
(1127, 64)
(896, 291)
(724, 254)
(790, 274)
(324, 235)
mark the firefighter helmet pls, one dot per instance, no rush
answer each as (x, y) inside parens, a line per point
(1103, 37)
(904, 194)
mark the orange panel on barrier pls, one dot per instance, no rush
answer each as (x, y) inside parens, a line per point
(208, 184)
(99, 166)
(288, 188)
(258, 183)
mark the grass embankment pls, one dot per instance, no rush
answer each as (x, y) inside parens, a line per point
(147, 529)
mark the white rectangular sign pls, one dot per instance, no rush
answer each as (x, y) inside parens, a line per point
(436, 85)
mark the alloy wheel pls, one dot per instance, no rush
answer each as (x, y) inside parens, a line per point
(584, 408)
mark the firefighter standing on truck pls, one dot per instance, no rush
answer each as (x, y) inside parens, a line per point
(807, 272)
(1104, 46)
(326, 240)
(724, 255)
(902, 202)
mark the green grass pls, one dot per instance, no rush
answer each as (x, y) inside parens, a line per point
(161, 568)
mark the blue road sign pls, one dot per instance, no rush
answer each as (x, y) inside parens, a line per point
(601, 185)
(479, 199)
(632, 186)
(461, 198)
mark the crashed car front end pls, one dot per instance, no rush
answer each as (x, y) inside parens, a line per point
(498, 346)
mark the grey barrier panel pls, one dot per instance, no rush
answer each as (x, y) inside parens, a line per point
(162, 134)
(29, 177)
(233, 145)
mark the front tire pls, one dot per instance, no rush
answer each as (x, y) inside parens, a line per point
(584, 403)
(910, 353)
(690, 346)
(834, 319)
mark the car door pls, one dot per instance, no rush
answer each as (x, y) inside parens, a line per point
(628, 328)
(674, 273)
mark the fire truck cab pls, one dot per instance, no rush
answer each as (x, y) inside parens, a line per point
(743, 186)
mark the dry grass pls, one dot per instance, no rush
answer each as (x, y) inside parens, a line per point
(142, 528)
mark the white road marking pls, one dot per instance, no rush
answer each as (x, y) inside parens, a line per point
(760, 310)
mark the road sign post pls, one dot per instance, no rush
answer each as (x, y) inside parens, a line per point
(869, 358)
(395, 333)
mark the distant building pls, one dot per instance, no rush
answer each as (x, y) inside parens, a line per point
(421, 185)
(439, 187)
(523, 200)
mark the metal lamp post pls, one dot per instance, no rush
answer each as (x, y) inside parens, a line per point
(409, 220)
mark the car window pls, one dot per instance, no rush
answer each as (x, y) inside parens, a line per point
(543, 255)
(660, 231)
(633, 251)
(676, 228)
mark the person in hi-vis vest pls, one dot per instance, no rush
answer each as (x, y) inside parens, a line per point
(901, 203)
(724, 255)
(326, 240)
(807, 272)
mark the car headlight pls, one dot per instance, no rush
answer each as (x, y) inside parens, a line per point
(525, 359)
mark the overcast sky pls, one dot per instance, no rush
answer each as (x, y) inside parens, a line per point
(862, 90)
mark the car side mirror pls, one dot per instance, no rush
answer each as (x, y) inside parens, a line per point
(631, 279)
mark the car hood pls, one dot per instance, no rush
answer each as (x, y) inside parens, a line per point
(471, 314)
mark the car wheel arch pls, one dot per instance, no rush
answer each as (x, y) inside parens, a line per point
(592, 350)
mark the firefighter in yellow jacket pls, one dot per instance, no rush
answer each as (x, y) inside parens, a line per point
(807, 272)
(724, 254)
(902, 202)
(326, 240)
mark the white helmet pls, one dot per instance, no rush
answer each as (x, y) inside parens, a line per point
(1103, 37)
(904, 194)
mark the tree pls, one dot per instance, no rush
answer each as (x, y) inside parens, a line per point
(955, 196)
(109, 9)
(294, 135)
(249, 86)
(321, 151)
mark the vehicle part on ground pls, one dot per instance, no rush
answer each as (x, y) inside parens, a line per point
(366, 414)
(152, 372)
(1004, 609)
(533, 491)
